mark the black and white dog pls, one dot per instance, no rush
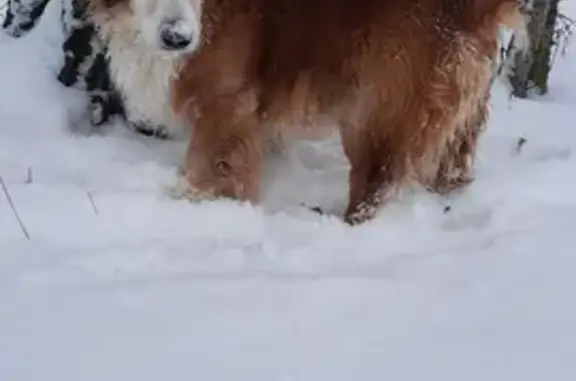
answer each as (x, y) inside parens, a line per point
(86, 63)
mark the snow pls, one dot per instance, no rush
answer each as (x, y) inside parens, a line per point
(118, 282)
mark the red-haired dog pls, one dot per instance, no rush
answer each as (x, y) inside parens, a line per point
(405, 81)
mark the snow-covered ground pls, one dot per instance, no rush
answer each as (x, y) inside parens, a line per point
(102, 277)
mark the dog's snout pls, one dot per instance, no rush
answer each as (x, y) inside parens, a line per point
(175, 35)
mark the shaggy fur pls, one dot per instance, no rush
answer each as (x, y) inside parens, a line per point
(142, 75)
(405, 81)
(139, 68)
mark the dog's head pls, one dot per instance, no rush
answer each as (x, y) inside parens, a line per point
(165, 25)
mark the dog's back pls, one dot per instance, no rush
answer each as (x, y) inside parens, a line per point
(318, 54)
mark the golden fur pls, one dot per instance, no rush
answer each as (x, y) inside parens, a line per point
(405, 81)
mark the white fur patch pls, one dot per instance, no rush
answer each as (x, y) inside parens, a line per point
(141, 73)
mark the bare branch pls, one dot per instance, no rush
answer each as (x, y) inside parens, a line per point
(92, 202)
(14, 211)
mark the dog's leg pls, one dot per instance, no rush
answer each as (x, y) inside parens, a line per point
(456, 165)
(456, 168)
(85, 62)
(77, 50)
(104, 100)
(22, 16)
(81, 44)
(377, 168)
(9, 16)
(224, 157)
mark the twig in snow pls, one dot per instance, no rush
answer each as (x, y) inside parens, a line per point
(13, 207)
(315, 209)
(92, 203)
(520, 144)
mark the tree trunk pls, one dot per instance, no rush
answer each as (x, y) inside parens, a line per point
(531, 69)
(540, 70)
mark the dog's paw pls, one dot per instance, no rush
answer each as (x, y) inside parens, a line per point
(96, 111)
(182, 190)
(149, 130)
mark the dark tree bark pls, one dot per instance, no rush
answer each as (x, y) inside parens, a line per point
(531, 69)
(540, 70)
